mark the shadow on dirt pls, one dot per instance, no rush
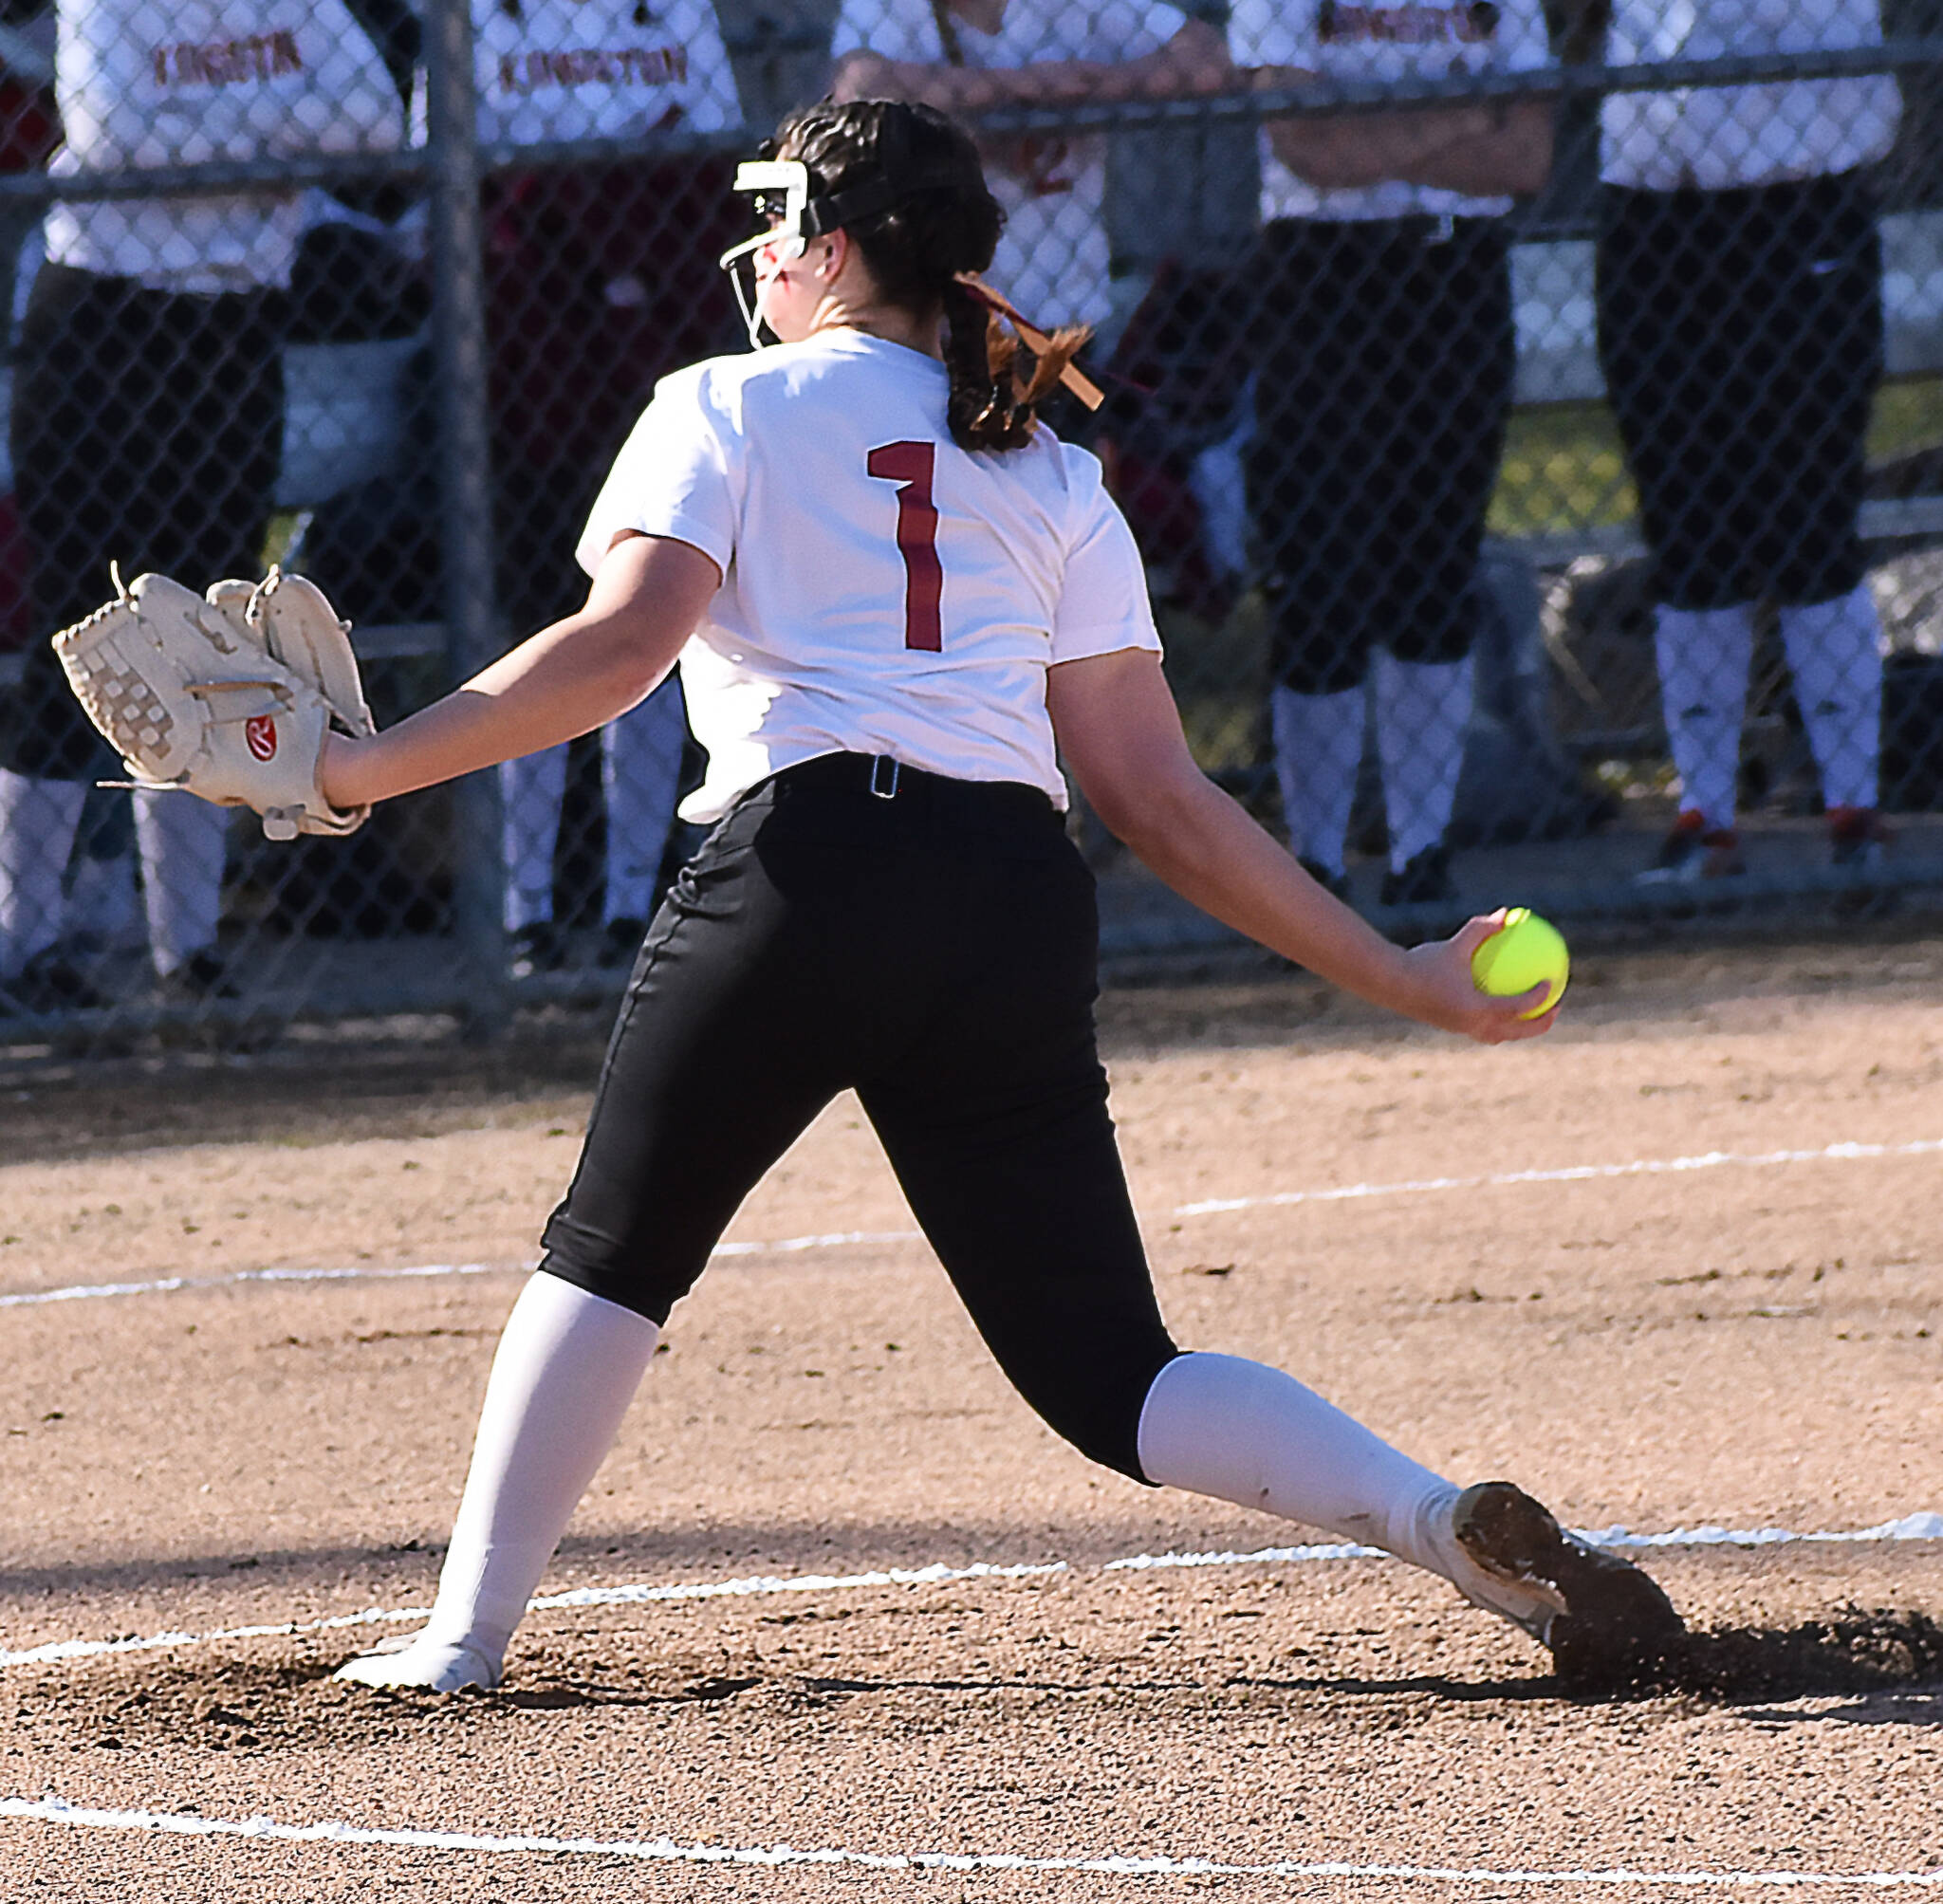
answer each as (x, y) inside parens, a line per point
(1855, 1649)
(1896, 1655)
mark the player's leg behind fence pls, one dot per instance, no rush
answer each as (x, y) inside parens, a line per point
(181, 842)
(38, 822)
(641, 778)
(531, 791)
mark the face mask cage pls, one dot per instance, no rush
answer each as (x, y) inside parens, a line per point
(780, 190)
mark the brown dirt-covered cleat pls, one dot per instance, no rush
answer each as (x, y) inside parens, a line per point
(1613, 1629)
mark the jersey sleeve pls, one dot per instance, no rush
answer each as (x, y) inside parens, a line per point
(675, 476)
(1102, 604)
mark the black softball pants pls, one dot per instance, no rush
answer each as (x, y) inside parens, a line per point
(1741, 337)
(147, 429)
(1385, 353)
(936, 952)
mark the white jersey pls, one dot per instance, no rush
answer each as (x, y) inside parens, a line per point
(146, 83)
(884, 591)
(599, 69)
(1343, 42)
(1052, 261)
(1718, 137)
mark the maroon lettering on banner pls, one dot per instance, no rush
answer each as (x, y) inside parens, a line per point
(227, 63)
(1410, 26)
(588, 65)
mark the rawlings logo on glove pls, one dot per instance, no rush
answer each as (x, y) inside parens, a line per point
(227, 696)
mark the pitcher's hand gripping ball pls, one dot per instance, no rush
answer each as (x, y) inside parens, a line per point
(1529, 951)
(227, 696)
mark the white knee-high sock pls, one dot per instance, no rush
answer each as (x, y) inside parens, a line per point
(531, 790)
(1318, 748)
(641, 771)
(1704, 658)
(1423, 708)
(1835, 651)
(564, 1373)
(38, 822)
(182, 841)
(103, 900)
(1250, 1435)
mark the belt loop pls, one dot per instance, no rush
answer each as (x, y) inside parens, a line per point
(1443, 230)
(884, 786)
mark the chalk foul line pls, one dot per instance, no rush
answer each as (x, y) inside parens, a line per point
(1922, 1526)
(83, 1292)
(672, 1851)
(633, 1593)
(87, 1292)
(1568, 1173)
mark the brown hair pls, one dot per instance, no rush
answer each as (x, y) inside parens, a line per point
(922, 248)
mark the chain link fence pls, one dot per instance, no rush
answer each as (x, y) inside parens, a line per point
(1532, 419)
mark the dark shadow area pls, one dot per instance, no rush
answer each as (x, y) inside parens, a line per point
(1437, 1685)
(1855, 1649)
(1871, 1708)
(578, 1694)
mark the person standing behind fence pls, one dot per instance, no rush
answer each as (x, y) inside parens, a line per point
(973, 56)
(1384, 353)
(148, 404)
(1740, 329)
(606, 271)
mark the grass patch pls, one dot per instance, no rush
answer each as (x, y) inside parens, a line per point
(1563, 470)
(1909, 415)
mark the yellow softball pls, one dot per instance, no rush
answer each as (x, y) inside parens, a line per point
(1529, 951)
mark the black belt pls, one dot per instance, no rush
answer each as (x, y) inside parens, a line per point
(883, 778)
(1413, 228)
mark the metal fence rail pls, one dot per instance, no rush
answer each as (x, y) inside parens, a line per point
(1483, 555)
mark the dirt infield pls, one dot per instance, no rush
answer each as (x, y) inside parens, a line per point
(1751, 1341)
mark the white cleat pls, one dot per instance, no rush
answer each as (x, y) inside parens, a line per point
(1608, 1626)
(1529, 1606)
(418, 1662)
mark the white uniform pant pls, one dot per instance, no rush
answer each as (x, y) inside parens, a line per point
(641, 773)
(180, 840)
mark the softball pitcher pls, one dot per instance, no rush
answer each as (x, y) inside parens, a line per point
(895, 599)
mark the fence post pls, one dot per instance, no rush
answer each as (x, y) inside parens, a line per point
(473, 635)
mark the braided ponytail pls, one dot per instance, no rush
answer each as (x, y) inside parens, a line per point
(925, 252)
(993, 403)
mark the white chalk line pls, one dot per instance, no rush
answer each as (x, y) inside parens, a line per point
(580, 1597)
(1920, 1526)
(1570, 1174)
(82, 1292)
(1843, 1153)
(672, 1851)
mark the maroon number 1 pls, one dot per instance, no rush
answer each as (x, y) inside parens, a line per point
(911, 466)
